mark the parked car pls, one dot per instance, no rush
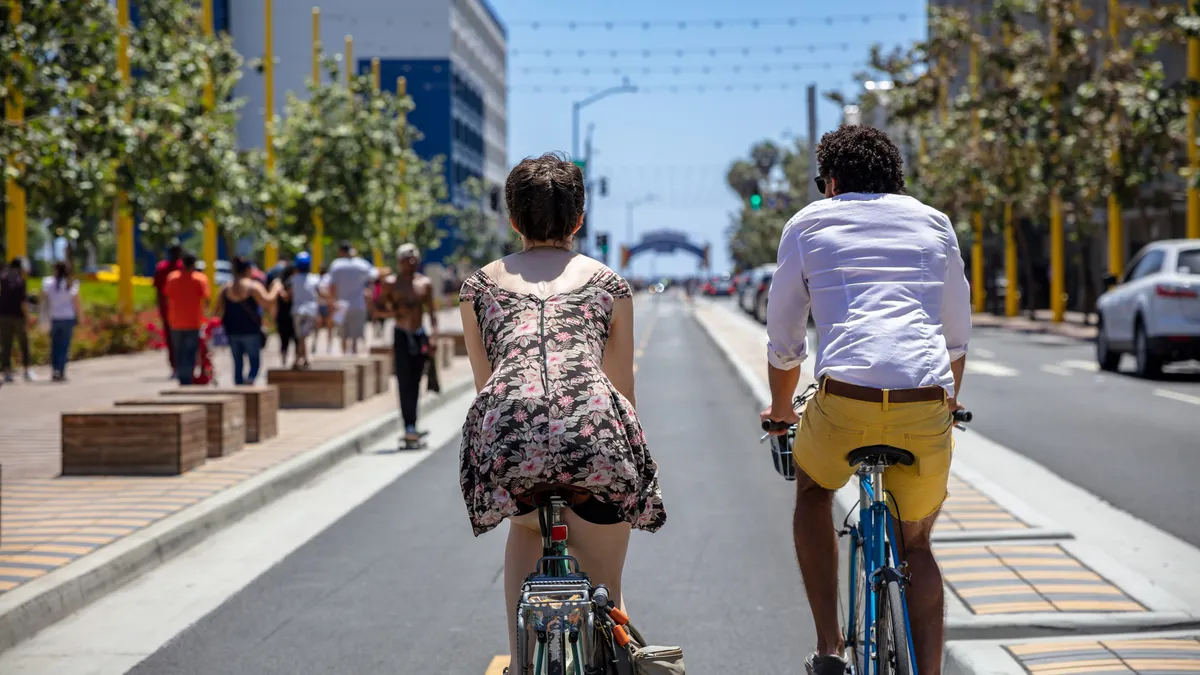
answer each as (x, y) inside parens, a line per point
(748, 296)
(224, 273)
(1154, 311)
(719, 286)
(760, 296)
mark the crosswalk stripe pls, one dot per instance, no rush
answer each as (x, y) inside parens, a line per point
(1177, 396)
(1057, 370)
(990, 368)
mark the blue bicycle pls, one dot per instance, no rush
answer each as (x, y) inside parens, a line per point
(876, 626)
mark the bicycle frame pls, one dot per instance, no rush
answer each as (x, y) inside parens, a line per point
(875, 535)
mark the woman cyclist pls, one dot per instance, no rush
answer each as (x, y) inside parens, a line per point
(549, 334)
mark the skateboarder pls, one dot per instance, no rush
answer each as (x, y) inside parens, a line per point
(408, 296)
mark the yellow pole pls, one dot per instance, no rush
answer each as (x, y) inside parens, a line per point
(978, 291)
(376, 253)
(1012, 293)
(349, 59)
(210, 102)
(124, 219)
(401, 92)
(271, 255)
(318, 244)
(1116, 228)
(1012, 290)
(1193, 196)
(1057, 264)
(16, 242)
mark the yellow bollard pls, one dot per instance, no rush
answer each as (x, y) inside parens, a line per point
(318, 243)
(978, 291)
(1116, 228)
(1193, 196)
(1057, 266)
(1012, 294)
(210, 102)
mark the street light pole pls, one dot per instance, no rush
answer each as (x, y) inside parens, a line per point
(624, 88)
(629, 207)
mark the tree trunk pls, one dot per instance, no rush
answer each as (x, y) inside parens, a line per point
(1086, 278)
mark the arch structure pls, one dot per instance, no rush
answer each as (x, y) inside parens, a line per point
(665, 241)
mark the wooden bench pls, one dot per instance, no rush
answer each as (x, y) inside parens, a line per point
(372, 372)
(324, 386)
(460, 341)
(261, 406)
(389, 366)
(134, 441)
(226, 415)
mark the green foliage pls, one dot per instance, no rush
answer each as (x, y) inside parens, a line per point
(480, 242)
(772, 184)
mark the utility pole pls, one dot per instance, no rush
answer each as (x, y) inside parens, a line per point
(812, 144)
(16, 229)
(584, 234)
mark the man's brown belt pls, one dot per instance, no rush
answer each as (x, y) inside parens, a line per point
(871, 395)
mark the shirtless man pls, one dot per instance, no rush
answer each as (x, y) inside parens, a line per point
(407, 295)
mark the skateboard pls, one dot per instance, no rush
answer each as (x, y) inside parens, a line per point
(418, 444)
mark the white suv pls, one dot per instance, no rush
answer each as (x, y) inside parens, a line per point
(1154, 312)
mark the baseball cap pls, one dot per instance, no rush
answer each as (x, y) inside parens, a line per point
(303, 261)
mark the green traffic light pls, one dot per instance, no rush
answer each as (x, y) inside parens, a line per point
(756, 201)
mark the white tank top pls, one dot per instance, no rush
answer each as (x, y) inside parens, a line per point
(60, 301)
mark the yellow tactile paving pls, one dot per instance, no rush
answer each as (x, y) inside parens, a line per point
(996, 579)
(1148, 656)
(46, 523)
(968, 510)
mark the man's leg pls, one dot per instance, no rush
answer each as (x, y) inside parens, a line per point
(162, 313)
(185, 355)
(7, 335)
(926, 597)
(817, 552)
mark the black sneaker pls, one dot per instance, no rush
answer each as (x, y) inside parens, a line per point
(829, 664)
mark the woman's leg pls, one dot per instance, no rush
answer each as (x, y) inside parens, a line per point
(600, 550)
(56, 346)
(66, 355)
(254, 353)
(237, 349)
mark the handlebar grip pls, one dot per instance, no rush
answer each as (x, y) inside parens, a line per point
(963, 416)
(772, 425)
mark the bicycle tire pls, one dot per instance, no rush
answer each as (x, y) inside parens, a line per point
(897, 656)
(856, 644)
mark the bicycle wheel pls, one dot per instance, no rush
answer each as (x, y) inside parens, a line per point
(892, 633)
(855, 626)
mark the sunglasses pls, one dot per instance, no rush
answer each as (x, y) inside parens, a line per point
(820, 185)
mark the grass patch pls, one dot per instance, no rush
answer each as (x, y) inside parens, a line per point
(99, 293)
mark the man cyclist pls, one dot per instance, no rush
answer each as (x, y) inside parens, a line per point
(883, 278)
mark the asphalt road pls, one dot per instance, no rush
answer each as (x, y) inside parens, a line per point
(1132, 442)
(399, 585)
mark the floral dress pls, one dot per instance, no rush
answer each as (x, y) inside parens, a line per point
(549, 414)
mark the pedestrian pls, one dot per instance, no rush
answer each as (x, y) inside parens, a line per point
(408, 296)
(162, 270)
(550, 411)
(350, 279)
(305, 291)
(60, 299)
(285, 323)
(15, 317)
(378, 306)
(187, 295)
(325, 311)
(882, 275)
(240, 306)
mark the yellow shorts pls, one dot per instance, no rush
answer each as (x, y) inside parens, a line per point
(832, 426)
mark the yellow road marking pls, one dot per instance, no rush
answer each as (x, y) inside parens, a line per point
(21, 572)
(498, 664)
(1059, 575)
(1081, 589)
(1011, 607)
(60, 548)
(995, 591)
(1106, 666)
(31, 559)
(1098, 606)
(1058, 665)
(982, 576)
(1154, 643)
(1051, 647)
(1165, 664)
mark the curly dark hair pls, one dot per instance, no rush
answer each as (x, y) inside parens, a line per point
(545, 197)
(861, 159)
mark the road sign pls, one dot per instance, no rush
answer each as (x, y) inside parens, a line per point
(582, 164)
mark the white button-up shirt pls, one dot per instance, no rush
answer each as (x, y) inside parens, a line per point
(883, 277)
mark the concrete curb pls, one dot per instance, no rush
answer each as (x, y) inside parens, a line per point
(33, 606)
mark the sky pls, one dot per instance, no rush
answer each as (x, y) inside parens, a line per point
(677, 145)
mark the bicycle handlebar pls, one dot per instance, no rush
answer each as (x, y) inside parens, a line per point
(960, 417)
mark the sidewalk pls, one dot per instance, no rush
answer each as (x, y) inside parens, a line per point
(1073, 325)
(48, 522)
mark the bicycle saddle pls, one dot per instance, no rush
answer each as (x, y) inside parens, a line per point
(541, 494)
(880, 455)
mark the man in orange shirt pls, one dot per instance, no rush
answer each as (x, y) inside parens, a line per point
(187, 295)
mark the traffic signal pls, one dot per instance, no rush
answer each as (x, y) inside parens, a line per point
(755, 201)
(602, 246)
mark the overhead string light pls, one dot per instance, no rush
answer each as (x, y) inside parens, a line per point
(752, 22)
(679, 70)
(689, 51)
(697, 88)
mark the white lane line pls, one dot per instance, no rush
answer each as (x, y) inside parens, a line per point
(1088, 366)
(985, 353)
(990, 368)
(1057, 370)
(1177, 396)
